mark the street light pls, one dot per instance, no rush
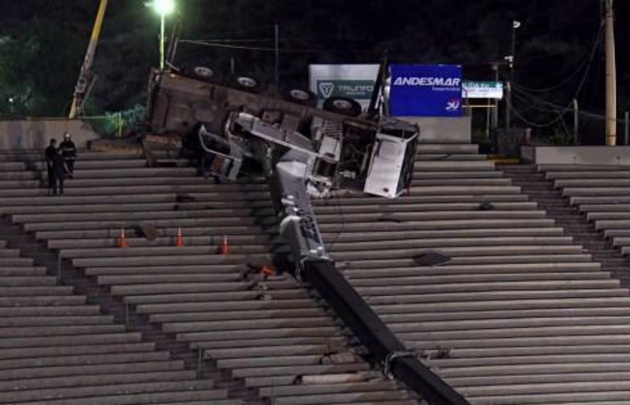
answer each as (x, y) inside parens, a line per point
(163, 8)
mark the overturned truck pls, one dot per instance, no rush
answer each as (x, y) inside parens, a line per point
(304, 152)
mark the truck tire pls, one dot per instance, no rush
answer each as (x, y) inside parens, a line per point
(300, 96)
(342, 105)
(204, 73)
(245, 83)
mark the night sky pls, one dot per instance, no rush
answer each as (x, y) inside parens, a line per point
(559, 49)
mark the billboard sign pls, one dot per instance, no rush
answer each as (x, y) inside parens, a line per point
(426, 90)
(351, 81)
(493, 90)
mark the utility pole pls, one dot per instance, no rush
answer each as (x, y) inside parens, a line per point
(508, 90)
(85, 76)
(277, 47)
(611, 77)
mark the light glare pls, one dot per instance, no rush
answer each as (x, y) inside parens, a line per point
(164, 7)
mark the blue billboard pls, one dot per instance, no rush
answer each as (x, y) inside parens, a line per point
(425, 90)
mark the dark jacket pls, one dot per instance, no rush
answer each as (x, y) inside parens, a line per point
(51, 151)
(68, 149)
(58, 162)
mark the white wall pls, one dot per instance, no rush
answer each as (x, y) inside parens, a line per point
(443, 129)
(36, 133)
(577, 155)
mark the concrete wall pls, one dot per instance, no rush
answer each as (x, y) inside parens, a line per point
(36, 133)
(443, 130)
(577, 155)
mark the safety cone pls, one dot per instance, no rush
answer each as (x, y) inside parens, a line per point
(224, 248)
(122, 241)
(180, 240)
(267, 271)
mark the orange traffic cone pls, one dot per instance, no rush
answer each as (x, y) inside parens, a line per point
(224, 248)
(180, 240)
(122, 241)
(267, 271)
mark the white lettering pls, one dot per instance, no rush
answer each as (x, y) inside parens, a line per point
(428, 81)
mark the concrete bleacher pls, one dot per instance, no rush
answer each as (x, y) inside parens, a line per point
(516, 313)
(599, 192)
(55, 348)
(275, 335)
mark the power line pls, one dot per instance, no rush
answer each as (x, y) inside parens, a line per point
(268, 49)
(589, 61)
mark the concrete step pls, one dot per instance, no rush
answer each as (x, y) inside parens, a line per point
(182, 288)
(75, 350)
(509, 286)
(355, 272)
(384, 207)
(342, 251)
(300, 370)
(182, 397)
(42, 331)
(134, 207)
(427, 182)
(564, 398)
(581, 174)
(95, 392)
(253, 314)
(595, 191)
(225, 306)
(249, 325)
(22, 271)
(172, 222)
(164, 231)
(90, 359)
(463, 314)
(137, 216)
(460, 190)
(342, 398)
(472, 174)
(59, 320)
(388, 299)
(444, 157)
(439, 243)
(479, 234)
(26, 373)
(210, 346)
(275, 333)
(420, 279)
(213, 240)
(441, 165)
(70, 340)
(186, 258)
(582, 182)
(26, 281)
(221, 296)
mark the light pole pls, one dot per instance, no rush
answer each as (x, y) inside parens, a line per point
(508, 95)
(163, 8)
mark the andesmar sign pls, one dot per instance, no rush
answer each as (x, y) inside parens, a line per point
(426, 90)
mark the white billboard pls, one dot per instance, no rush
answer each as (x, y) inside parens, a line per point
(493, 90)
(351, 81)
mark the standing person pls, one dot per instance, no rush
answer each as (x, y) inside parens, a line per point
(51, 151)
(69, 152)
(59, 171)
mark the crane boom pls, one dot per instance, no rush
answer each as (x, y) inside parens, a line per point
(85, 75)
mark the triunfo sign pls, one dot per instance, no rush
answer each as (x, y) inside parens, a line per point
(351, 81)
(355, 89)
(492, 90)
(426, 90)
